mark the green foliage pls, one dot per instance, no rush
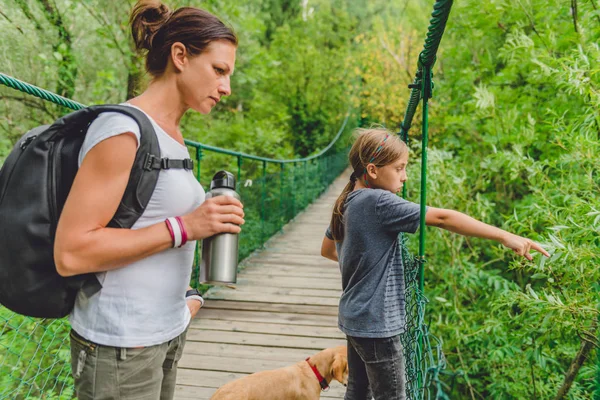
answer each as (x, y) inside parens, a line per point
(516, 112)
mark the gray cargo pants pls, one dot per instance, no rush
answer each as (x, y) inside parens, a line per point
(113, 373)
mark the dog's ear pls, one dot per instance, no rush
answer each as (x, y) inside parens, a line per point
(339, 368)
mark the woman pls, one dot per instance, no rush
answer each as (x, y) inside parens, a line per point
(127, 338)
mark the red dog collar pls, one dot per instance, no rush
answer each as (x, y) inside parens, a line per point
(322, 381)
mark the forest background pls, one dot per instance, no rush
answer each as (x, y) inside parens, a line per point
(514, 138)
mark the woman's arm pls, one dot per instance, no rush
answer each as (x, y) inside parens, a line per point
(83, 242)
(460, 223)
(328, 249)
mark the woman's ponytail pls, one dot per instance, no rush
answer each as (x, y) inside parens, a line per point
(156, 28)
(147, 17)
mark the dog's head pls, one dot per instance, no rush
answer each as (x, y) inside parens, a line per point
(339, 366)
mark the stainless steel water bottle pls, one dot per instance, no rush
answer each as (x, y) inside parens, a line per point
(220, 252)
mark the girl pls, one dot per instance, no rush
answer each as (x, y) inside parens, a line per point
(363, 237)
(126, 339)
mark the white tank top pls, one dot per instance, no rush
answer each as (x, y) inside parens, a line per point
(143, 303)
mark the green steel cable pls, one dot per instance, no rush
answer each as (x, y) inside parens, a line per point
(439, 17)
(39, 92)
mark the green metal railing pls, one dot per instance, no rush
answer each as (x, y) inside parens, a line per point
(34, 353)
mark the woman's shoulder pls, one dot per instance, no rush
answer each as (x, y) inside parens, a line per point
(105, 126)
(109, 122)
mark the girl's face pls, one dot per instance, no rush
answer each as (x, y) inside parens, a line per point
(206, 77)
(392, 176)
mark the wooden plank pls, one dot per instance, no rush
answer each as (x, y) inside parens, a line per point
(270, 307)
(271, 298)
(229, 364)
(290, 282)
(265, 274)
(286, 354)
(260, 317)
(205, 378)
(268, 328)
(276, 291)
(257, 339)
(328, 270)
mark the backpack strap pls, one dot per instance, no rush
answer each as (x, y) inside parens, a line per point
(152, 162)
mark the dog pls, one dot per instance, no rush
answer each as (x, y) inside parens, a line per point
(295, 382)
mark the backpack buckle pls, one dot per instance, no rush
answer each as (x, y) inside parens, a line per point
(188, 164)
(149, 162)
(164, 163)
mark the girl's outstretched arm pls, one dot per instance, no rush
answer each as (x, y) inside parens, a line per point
(328, 249)
(462, 224)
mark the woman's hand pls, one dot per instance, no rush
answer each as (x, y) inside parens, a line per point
(522, 246)
(194, 306)
(220, 214)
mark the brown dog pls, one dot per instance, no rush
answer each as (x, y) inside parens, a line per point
(296, 382)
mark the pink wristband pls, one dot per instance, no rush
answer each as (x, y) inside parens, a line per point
(184, 236)
(168, 223)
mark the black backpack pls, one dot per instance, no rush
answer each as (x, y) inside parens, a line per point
(34, 183)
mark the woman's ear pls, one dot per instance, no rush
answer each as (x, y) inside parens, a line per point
(178, 56)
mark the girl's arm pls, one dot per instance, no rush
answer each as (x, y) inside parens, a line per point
(462, 224)
(328, 249)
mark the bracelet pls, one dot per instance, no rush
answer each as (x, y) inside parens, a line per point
(196, 297)
(184, 236)
(175, 231)
(170, 228)
(194, 294)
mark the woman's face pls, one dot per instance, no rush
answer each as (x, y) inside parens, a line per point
(204, 79)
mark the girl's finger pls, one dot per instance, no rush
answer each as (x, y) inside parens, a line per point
(540, 249)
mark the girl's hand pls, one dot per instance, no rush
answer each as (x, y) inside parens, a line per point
(522, 246)
(221, 214)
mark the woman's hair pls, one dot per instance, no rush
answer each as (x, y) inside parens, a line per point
(376, 146)
(155, 28)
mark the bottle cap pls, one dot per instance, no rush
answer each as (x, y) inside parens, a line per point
(223, 179)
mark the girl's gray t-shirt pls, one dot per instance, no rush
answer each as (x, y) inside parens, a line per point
(373, 299)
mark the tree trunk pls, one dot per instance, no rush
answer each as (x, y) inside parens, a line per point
(588, 342)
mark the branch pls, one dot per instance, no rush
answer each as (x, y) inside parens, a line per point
(574, 14)
(399, 60)
(533, 27)
(31, 103)
(25, 8)
(9, 20)
(586, 346)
